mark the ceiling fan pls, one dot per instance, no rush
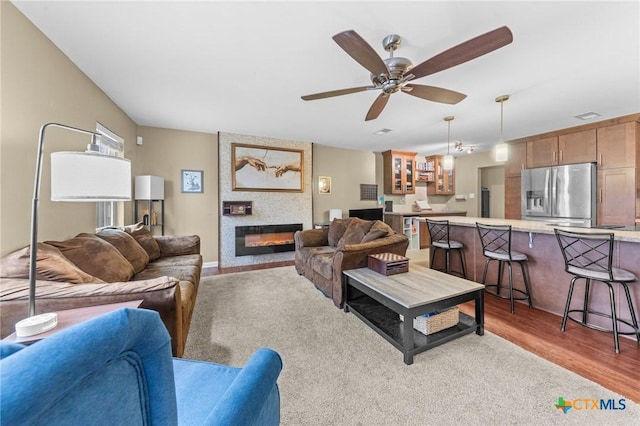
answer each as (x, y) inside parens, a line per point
(394, 74)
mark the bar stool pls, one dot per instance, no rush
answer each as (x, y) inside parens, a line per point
(439, 234)
(496, 245)
(590, 257)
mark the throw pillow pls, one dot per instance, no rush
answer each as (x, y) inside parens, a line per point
(51, 265)
(378, 230)
(336, 230)
(355, 232)
(95, 256)
(127, 246)
(144, 238)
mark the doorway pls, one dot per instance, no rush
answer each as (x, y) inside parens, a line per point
(492, 192)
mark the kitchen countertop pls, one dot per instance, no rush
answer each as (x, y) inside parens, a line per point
(427, 213)
(543, 227)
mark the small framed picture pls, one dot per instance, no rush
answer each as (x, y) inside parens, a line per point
(192, 181)
(324, 185)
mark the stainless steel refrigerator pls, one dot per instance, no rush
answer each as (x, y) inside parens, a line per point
(563, 195)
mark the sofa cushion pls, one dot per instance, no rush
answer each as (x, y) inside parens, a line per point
(323, 265)
(144, 238)
(51, 265)
(95, 256)
(127, 246)
(378, 230)
(184, 268)
(355, 232)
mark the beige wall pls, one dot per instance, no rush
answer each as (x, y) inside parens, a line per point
(40, 85)
(166, 152)
(347, 168)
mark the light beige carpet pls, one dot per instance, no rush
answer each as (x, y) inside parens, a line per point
(337, 371)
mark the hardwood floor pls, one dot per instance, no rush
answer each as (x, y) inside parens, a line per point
(586, 352)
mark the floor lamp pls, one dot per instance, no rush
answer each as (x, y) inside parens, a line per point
(88, 176)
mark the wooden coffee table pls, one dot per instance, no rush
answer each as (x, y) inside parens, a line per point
(379, 300)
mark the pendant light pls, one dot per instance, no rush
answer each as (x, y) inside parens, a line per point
(447, 163)
(502, 149)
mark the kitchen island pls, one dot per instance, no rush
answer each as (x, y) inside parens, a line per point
(402, 223)
(549, 282)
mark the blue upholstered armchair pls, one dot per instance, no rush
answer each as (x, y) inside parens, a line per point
(117, 369)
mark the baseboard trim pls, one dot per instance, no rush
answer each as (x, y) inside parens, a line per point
(231, 269)
(210, 265)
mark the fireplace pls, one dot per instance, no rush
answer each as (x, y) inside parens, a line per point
(265, 239)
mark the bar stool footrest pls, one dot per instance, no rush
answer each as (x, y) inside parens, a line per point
(525, 296)
(599, 328)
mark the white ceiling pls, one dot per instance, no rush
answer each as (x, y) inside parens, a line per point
(241, 67)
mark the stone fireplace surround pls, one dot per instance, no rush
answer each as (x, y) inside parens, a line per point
(269, 207)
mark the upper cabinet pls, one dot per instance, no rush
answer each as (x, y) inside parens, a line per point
(444, 180)
(517, 159)
(399, 172)
(570, 148)
(542, 152)
(579, 147)
(616, 145)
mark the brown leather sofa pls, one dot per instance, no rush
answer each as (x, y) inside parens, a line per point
(113, 265)
(322, 254)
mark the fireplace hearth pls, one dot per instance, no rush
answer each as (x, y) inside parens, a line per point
(265, 239)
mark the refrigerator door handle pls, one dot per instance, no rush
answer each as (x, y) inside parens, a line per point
(549, 191)
(556, 183)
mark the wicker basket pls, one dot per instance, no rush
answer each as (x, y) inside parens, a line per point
(436, 321)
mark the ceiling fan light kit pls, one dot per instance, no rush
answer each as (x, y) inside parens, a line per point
(394, 74)
(502, 149)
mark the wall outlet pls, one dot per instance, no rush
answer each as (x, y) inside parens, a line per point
(472, 196)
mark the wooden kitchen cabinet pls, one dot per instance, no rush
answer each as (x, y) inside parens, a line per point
(517, 159)
(617, 145)
(399, 172)
(542, 152)
(616, 198)
(512, 203)
(578, 147)
(444, 180)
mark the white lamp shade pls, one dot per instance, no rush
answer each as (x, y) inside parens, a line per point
(335, 214)
(89, 176)
(447, 162)
(502, 152)
(149, 188)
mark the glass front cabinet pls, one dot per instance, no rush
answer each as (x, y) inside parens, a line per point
(399, 172)
(444, 180)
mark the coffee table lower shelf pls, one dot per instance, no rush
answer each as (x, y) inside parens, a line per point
(387, 324)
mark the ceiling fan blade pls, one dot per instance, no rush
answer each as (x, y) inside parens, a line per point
(361, 51)
(464, 52)
(377, 106)
(435, 94)
(336, 93)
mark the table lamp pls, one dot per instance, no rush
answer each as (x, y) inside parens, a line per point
(88, 176)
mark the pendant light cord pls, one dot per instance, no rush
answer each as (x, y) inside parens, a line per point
(448, 135)
(501, 121)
